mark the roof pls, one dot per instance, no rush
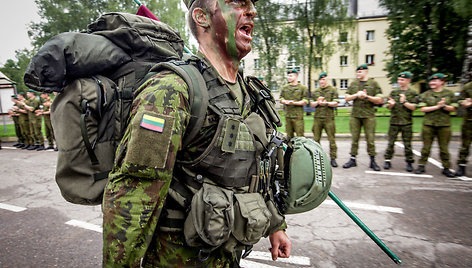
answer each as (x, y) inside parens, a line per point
(5, 81)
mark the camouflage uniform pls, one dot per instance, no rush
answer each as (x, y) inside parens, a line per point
(16, 120)
(25, 125)
(35, 121)
(363, 114)
(134, 207)
(48, 126)
(293, 113)
(466, 126)
(324, 117)
(401, 121)
(436, 124)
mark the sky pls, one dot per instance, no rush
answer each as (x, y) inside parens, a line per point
(15, 15)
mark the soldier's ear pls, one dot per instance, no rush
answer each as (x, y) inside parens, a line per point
(201, 18)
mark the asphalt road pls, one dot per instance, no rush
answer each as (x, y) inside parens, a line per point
(425, 221)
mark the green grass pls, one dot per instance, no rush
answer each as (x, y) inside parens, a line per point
(10, 130)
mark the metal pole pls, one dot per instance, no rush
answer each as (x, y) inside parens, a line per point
(364, 228)
(137, 2)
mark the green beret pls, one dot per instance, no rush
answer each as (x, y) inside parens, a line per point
(260, 78)
(437, 76)
(292, 71)
(322, 75)
(14, 96)
(405, 75)
(30, 90)
(362, 67)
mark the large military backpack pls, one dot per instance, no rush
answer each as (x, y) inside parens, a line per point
(96, 75)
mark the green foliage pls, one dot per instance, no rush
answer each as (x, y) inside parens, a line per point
(74, 15)
(15, 69)
(425, 37)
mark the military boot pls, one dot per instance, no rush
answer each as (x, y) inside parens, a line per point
(387, 164)
(420, 169)
(409, 167)
(34, 147)
(448, 173)
(333, 163)
(461, 170)
(374, 165)
(351, 163)
(40, 148)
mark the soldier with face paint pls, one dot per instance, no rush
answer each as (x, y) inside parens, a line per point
(145, 223)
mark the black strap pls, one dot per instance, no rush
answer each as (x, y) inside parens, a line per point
(83, 127)
(101, 175)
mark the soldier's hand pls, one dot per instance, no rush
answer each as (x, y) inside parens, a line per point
(391, 101)
(402, 98)
(320, 99)
(467, 102)
(281, 245)
(442, 103)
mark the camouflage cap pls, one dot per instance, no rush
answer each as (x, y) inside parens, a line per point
(437, 76)
(292, 71)
(362, 67)
(323, 75)
(407, 75)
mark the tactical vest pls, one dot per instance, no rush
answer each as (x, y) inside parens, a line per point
(233, 158)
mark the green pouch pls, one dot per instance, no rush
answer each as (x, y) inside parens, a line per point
(251, 218)
(211, 217)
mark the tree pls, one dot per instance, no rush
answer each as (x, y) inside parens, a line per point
(15, 69)
(267, 32)
(74, 15)
(464, 9)
(312, 39)
(426, 36)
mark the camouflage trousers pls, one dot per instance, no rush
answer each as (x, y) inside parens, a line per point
(16, 121)
(294, 124)
(26, 130)
(444, 136)
(466, 140)
(368, 124)
(35, 129)
(48, 130)
(328, 124)
(407, 135)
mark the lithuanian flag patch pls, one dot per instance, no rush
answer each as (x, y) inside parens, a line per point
(153, 123)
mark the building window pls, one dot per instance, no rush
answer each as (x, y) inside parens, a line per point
(343, 84)
(343, 60)
(395, 85)
(317, 63)
(317, 40)
(257, 65)
(451, 84)
(343, 37)
(369, 59)
(317, 84)
(370, 36)
(292, 64)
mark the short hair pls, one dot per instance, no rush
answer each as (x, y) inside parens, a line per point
(203, 4)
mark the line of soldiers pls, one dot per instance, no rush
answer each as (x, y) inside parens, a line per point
(27, 113)
(437, 103)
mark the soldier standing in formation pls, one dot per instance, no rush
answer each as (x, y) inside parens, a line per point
(143, 223)
(436, 103)
(326, 100)
(46, 113)
(466, 102)
(24, 122)
(14, 114)
(366, 94)
(293, 97)
(32, 104)
(402, 103)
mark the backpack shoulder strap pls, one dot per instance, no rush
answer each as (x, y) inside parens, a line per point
(198, 93)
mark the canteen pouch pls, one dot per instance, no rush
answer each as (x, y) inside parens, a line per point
(251, 218)
(210, 220)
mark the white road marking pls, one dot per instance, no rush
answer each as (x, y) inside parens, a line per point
(9, 148)
(252, 264)
(11, 207)
(266, 256)
(399, 174)
(85, 225)
(462, 178)
(367, 206)
(431, 160)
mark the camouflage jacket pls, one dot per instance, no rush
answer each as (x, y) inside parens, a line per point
(295, 93)
(400, 115)
(363, 108)
(330, 93)
(34, 103)
(466, 93)
(440, 117)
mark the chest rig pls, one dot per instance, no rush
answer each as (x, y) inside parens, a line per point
(237, 152)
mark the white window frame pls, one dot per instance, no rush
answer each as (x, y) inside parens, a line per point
(292, 63)
(341, 35)
(370, 59)
(370, 35)
(343, 83)
(343, 60)
(257, 64)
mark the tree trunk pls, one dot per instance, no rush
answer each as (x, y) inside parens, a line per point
(466, 67)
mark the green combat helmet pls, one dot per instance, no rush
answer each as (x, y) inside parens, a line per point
(308, 176)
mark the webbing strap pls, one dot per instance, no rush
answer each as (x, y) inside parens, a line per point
(101, 175)
(83, 128)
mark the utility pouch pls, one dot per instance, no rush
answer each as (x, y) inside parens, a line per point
(210, 220)
(251, 218)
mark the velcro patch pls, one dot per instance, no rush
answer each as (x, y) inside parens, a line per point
(153, 123)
